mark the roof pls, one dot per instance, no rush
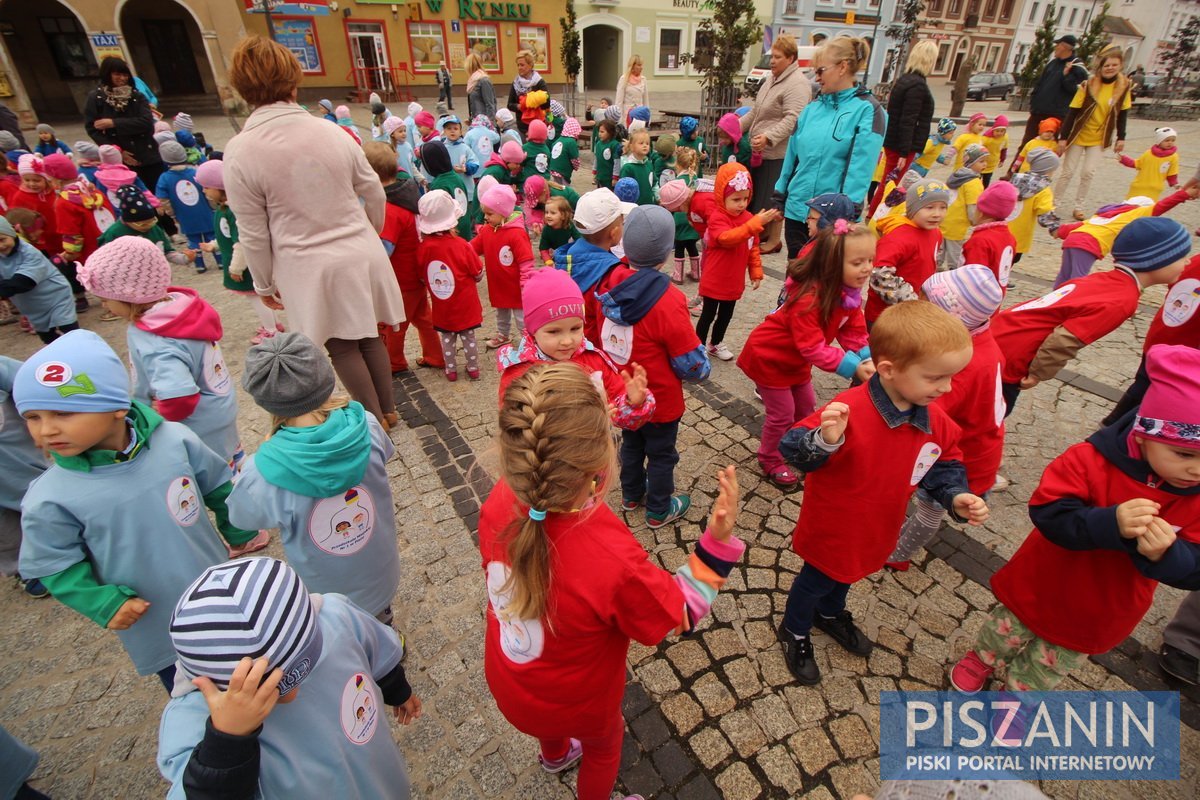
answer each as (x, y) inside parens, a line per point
(1119, 26)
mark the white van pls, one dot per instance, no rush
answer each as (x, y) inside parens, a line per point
(763, 68)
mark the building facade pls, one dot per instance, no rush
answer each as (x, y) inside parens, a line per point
(813, 21)
(1073, 17)
(1159, 22)
(965, 28)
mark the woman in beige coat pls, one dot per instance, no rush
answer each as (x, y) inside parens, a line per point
(770, 123)
(295, 182)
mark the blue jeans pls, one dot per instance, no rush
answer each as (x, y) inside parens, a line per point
(648, 459)
(813, 592)
(194, 240)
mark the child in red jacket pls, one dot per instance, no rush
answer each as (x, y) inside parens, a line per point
(82, 213)
(731, 247)
(553, 308)
(975, 402)
(991, 242)
(908, 248)
(400, 239)
(450, 270)
(823, 303)
(508, 257)
(1114, 516)
(865, 453)
(568, 585)
(1040, 336)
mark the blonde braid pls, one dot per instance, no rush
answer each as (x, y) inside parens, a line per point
(554, 439)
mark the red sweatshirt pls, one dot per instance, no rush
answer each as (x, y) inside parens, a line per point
(991, 245)
(451, 270)
(44, 204)
(976, 405)
(911, 250)
(508, 256)
(400, 230)
(785, 346)
(1176, 322)
(82, 213)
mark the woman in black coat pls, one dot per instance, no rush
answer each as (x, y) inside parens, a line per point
(909, 110)
(118, 114)
(527, 80)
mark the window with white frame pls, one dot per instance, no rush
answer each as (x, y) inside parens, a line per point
(873, 3)
(1071, 23)
(1033, 9)
(993, 58)
(672, 39)
(789, 8)
(943, 56)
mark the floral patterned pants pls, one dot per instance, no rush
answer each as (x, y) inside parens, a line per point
(1034, 665)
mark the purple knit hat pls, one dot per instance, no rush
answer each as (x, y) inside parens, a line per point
(130, 269)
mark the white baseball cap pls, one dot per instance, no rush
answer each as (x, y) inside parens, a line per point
(597, 210)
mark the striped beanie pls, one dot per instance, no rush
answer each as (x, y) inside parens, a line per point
(248, 608)
(1151, 243)
(970, 293)
(183, 122)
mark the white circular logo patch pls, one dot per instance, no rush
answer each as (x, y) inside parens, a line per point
(521, 640)
(1006, 263)
(1047, 299)
(441, 280)
(53, 374)
(542, 162)
(1181, 302)
(360, 708)
(617, 341)
(187, 192)
(1016, 212)
(225, 228)
(506, 255)
(1000, 406)
(103, 218)
(556, 151)
(930, 453)
(183, 501)
(460, 197)
(342, 525)
(608, 155)
(216, 374)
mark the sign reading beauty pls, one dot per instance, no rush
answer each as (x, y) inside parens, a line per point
(491, 12)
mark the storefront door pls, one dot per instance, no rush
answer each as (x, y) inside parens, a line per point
(368, 49)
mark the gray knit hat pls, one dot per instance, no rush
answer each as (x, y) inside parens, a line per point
(924, 192)
(44, 128)
(248, 608)
(1042, 160)
(87, 151)
(9, 142)
(649, 236)
(972, 153)
(288, 375)
(172, 153)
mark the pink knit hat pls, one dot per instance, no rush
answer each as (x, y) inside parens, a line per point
(549, 295)
(130, 269)
(731, 126)
(31, 164)
(114, 176)
(1170, 411)
(673, 195)
(391, 124)
(512, 153)
(425, 119)
(499, 200)
(110, 154)
(60, 167)
(162, 126)
(978, 115)
(534, 188)
(998, 200)
(211, 174)
(537, 131)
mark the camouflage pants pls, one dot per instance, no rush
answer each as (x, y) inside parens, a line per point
(1034, 665)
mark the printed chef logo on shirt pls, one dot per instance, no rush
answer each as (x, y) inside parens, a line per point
(608, 155)
(999, 405)
(541, 162)
(1047, 299)
(360, 708)
(216, 374)
(1181, 302)
(506, 255)
(485, 148)
(556, 151)
(926, 458)
(1006, 264)
(521, 640)
(224, 226)
(440, 279)
(342, 525)
(103, 218)
(1164, 166)
(187, 193)
(617, 341)
(460, 197)
(183, 502)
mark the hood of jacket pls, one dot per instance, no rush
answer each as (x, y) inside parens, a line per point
(515, 220)
(1029, 183)
(960, 176)
(436, 158)
(526, 351)
(81, 192)
(1118, 446)
(585, 263)
(734, 173)
(322, 460)
(891, 222)
(496, 161)
(404, 193)
(184, 315)
(630, 301)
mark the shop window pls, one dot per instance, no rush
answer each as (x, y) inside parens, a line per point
(73, 56)
(943, 56)
(670, 48)
(427, 41)
(702, 55)
(536, 39)
(483, 39)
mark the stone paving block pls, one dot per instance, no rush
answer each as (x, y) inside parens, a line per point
(774, 716)
(713, 695)
(743, 677)
(472, 735)
(852, 780)
(882, 662)
(813, 750)
(723, 643)
(761, 635)
(673, 763)
(852, 737)
(710, 746)
(807, 704)
(688, 657)
(650, 729)
(926, 670)
(896, 642)
(658, 677)
(699, 788)
(683, 712)
(872, 686)
(941, 599)
(774, 669)
(642, 778)
(737, 782)
(743, 732)
(819, 793)
(842, 693)
(635, 701)
(781, 770)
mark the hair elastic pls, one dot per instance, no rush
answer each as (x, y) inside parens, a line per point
(537, 515)
(841, 227)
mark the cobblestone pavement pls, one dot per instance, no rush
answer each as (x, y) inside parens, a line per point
(713, 715)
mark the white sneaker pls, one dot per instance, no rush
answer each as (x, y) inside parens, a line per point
(721, 351)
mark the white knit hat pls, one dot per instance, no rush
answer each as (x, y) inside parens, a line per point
(437, 211)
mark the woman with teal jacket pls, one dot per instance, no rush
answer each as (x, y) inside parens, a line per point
(837, 140)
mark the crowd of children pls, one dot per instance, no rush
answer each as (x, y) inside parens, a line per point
(592, 333)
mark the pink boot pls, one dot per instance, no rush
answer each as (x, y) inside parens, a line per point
(677, 275)
(694, 267)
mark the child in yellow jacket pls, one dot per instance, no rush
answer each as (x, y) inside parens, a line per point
(1156, 166)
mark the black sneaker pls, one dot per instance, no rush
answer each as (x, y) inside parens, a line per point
(799, 656)
(1179, 664)
(842, 629)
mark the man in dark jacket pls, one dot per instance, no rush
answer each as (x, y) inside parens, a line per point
(10, 123)
(1054, 89)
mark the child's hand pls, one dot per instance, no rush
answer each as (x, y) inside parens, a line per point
(757, 282)
(189, 254)
(208, 247)
(635, 383)
(724, 510)
(241, 708)
(768, 215)
(864, 370)
(1028, 382)
(834, 419)
(409, 711)
(1159, 537)
(461, 168)
(1134, 517)
(272, 302)
(971, 508)
(129, 612)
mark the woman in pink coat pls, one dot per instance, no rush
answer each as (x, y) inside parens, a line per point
(309, 211)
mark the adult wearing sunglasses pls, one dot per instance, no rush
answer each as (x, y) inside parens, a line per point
(837, 139)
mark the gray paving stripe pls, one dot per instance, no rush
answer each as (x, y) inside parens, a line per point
(651, 762)
(1131, 661)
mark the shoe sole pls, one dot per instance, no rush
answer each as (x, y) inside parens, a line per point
(655, 525)
(958, 688)
(562, 767)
